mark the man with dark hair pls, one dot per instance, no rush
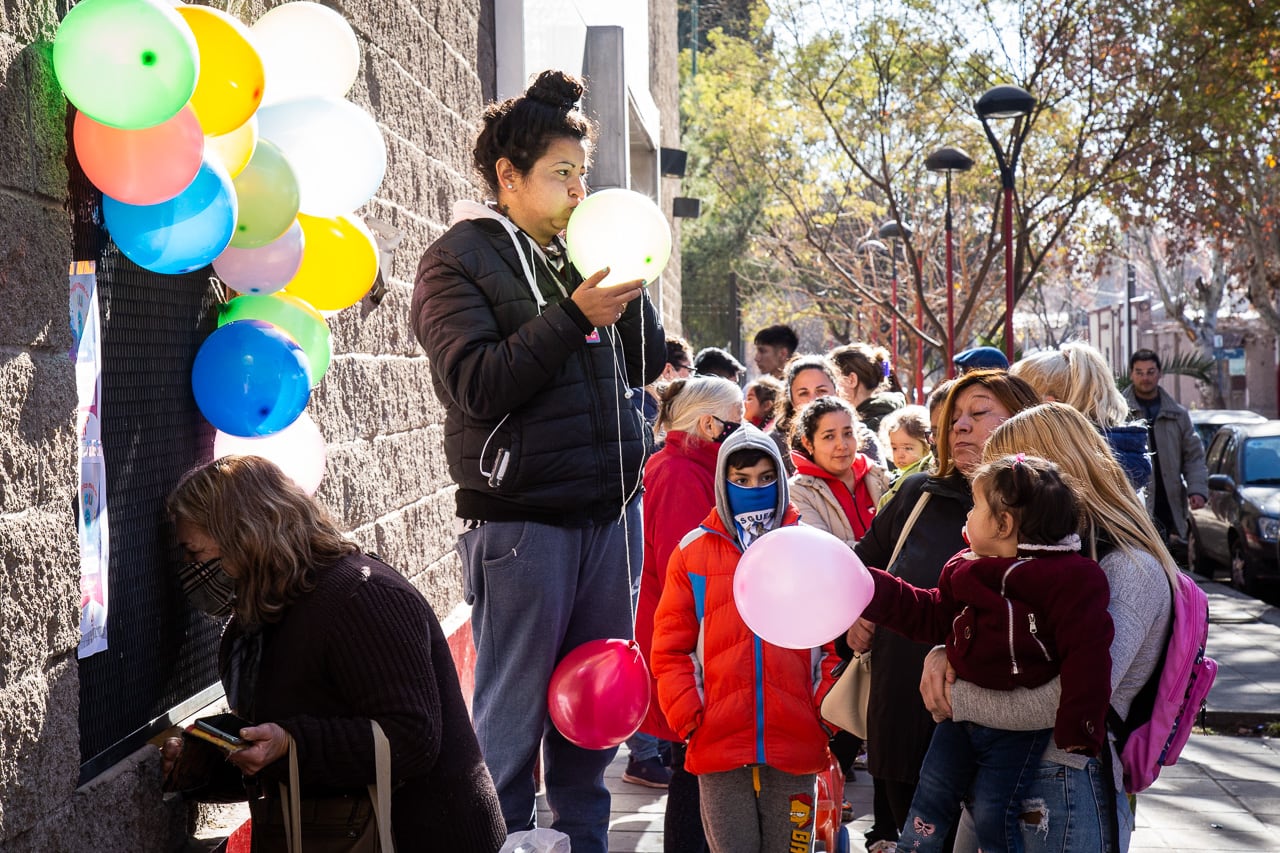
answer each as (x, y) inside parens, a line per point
(714, 361)
(774, 347)
(1181, 478)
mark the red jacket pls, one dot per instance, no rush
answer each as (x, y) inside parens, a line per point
(738, 699)
(679, 489)
(1016, 622)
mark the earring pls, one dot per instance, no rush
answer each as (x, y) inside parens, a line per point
(511, 186)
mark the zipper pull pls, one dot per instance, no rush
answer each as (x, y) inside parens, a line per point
(1031, 617)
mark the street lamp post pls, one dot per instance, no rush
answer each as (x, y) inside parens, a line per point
(873, 247)
(1001, 102)
(948, 160)
(893, 231)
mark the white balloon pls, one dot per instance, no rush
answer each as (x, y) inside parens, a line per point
(334, 147)
(298, 450)
(620, 229)
(306, 49)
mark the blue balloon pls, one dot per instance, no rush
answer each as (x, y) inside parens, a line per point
(182, 234)
(250, 379)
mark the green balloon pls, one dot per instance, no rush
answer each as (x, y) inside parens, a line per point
(267, 192)
(292, 316)
(128, 64)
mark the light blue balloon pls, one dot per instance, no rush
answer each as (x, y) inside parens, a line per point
(182, 234)
(250, 379)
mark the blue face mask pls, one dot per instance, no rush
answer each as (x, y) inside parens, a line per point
(752, 509)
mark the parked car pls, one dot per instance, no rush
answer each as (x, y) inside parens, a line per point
(1239, 525)
(1207, 421)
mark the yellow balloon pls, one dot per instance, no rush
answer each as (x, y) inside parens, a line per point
(339, 262)
(235, 149)
(231, 80)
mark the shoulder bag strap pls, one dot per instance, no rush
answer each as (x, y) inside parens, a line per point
(911, 522)
(380, 793)
(290, 804)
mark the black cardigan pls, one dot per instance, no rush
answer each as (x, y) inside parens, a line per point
(365, 644)
(547, 389)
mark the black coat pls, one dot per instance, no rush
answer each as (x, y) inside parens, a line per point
(544, 389)
(898, 726)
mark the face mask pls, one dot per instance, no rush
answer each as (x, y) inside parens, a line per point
(727, 428)
(207, 587)
(752, 509)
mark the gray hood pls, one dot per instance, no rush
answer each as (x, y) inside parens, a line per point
(748, 436)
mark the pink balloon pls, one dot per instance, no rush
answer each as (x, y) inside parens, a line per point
(141, 167)
(265, 269)
(799, 587)
(298, 450)
(599, 693)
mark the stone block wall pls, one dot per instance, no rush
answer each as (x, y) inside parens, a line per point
(427, 69)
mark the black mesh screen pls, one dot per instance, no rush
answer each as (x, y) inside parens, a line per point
(160, 653)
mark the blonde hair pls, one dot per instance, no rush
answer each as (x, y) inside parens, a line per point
(683, 401)
(1076, 374)
(271, 532)
(1108, 504)
(914, 420)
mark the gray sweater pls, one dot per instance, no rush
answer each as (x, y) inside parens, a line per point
(1141, 598)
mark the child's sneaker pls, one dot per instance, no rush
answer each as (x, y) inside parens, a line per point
(883, 847)
(650, 772)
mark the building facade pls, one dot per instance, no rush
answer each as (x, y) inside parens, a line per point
(76, 769)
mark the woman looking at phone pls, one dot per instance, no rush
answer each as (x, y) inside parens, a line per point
(323, 639)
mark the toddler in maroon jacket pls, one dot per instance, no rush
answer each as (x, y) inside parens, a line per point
(1018, 608)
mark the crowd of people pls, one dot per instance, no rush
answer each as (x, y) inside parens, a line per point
(609, 479)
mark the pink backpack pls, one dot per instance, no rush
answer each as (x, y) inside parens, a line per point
(1164, 711)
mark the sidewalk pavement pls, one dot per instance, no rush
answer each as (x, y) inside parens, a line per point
(1223, 794)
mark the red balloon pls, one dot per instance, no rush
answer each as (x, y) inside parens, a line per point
(599, 693)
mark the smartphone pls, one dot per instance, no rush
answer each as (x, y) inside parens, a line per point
(221, 730)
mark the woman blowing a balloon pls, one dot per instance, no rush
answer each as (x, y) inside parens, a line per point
(533, 365)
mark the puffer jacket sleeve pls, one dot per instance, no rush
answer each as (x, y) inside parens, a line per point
(644, 343)
(675, 642)
(484, 371)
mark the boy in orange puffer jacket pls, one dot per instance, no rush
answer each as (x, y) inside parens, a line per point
(747, 709)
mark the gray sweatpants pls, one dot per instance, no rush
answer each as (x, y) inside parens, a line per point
(758, 809)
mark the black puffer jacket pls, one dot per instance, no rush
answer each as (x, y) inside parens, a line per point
(540, 387)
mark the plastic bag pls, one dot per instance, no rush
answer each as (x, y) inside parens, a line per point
(540, 840)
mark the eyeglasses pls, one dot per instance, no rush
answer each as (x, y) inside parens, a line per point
(682, 368)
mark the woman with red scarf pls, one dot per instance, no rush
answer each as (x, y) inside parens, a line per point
(835, 487)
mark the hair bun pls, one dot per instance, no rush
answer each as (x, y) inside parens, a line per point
(556, 88)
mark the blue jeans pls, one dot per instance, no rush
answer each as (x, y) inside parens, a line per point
(989, 767)
(538, 592)
(1065, 810)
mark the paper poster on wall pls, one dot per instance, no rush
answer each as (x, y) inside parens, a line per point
(91, 520)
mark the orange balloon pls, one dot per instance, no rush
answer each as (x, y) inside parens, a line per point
(339, 262)
(144, 166)
(231, 79)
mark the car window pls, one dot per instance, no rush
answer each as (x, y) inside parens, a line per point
(1261, 461)
(1213, 460)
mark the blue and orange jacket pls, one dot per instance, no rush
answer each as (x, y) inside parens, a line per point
(737, 699)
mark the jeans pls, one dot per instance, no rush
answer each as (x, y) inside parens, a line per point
(642, 746)
(1065, 810)
(538, 592)
(991, 767)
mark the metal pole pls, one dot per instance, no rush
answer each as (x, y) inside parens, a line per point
(951, 293)
(1008, 269)
(893, 297)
